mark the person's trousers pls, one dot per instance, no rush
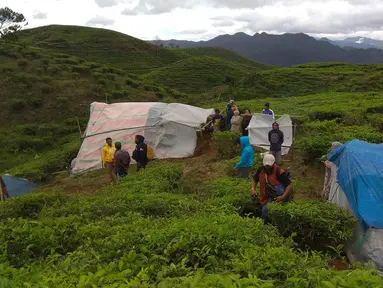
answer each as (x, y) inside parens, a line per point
(243, 172)
(110, 168)
(121, 175)
(277, 155)
(140, 166)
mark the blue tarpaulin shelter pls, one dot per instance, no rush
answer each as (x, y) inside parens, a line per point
(360, 174)
(18, 186)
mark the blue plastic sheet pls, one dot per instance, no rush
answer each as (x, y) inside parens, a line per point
(18, 186)
(360, 174)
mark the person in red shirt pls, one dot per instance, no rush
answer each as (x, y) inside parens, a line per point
(3, 190)
(275, 184)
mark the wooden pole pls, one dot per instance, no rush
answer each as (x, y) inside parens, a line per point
(79, 127)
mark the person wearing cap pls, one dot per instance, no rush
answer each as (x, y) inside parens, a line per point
(246, 162)
(121, 161)
(276, 139)
(267, 110)
(275, 184)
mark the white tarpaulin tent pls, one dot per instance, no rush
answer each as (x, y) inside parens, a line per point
(169, 128)
(260, 126)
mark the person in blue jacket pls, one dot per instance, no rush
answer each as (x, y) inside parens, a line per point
(244, 165)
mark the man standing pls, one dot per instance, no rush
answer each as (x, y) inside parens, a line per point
(267, 110)
(244, 165)
(229, 114)
(121, 161)
(275, 184)
(140, 153)
(3, 190)
(107, 158)
(276, 139)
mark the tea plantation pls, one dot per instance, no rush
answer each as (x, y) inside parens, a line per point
(149, 231)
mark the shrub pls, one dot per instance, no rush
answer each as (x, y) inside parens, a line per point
(316, 224)
(314, 148)
(17, 104)
(75, 75)
(376, 121)
(46, 89)
(81, 69)
(29, 206)
(119, 94)
(373, 110)
(225, 144)
(322, 115)
(36, 101)
(23, 63)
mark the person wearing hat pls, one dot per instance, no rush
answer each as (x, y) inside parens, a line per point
(121, 161)
(275, 183)
(267, 110)
(276, 139)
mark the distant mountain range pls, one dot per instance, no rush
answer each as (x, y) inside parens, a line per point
(290, 49)
(356, 42)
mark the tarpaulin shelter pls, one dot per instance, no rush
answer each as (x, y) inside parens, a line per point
(169, 128)
(18, 186)
(360, 175)
(260, 126)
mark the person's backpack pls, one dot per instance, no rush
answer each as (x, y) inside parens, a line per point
(270, 189)
(149, 152)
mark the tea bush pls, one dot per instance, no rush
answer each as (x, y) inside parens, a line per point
(225, 144)
(313, 148)
(316, 224)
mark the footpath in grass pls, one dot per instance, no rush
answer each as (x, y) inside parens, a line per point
(156, 229)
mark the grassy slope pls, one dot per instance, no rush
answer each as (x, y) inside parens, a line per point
(199, 73)
(102, 46)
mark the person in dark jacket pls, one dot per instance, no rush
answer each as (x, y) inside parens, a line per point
(139, 154)
(121, 161)
(276, 140)
(245, 122)
(229, 114)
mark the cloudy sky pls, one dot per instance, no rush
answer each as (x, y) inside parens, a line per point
(204, 19)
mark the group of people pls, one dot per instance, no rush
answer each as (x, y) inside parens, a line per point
(233, 121)
(275, 183)
(117, 160)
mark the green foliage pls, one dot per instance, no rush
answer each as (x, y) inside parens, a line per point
(158, 237)
(313, 148)
(17, 104)
(316, 224)
(44, 165)
(225, 144)
(10, 22)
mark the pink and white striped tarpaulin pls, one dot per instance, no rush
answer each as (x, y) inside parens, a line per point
(169, 128)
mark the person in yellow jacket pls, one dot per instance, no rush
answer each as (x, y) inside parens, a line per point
(108, 157)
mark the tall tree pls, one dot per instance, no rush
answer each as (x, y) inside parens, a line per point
(11, 21)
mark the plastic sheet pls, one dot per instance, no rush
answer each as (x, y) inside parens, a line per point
(168, 128)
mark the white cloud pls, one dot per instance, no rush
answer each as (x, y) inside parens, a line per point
(106, 3)
(40, 15)
(100, 20)
(182, 18)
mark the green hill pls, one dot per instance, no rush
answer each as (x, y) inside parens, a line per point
(197, 74)
(102, 46)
